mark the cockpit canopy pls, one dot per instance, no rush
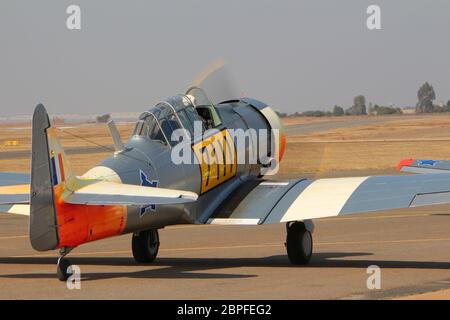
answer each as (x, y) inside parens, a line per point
(178, 112)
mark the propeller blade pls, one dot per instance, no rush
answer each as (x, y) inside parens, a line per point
(217, 82)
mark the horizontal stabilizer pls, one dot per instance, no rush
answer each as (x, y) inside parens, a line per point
(111, 193)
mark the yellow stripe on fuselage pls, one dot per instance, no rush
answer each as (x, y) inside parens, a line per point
(217, 157)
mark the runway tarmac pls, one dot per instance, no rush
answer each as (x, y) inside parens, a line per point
(305, 128)
(412, 248)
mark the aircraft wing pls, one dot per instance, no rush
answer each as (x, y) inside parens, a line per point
(14, 188)
(10, 179)
(15, 193)
(22, 209)
(264, 202)
(424, 166)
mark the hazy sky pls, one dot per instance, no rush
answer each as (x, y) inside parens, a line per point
(295, 55)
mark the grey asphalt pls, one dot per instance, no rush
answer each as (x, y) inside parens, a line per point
(299, 129)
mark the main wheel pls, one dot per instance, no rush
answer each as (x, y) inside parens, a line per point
(299, 244)
(145, 246)
(61, 269)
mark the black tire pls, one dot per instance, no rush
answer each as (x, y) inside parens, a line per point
(145, 246)
(61, 269)
(299, 244)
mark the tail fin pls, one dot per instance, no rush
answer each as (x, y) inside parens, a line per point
(49, 170)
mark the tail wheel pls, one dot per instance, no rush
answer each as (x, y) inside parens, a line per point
(145, 246)
(299, 244)
(61, 269)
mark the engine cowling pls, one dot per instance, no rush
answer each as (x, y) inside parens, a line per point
(274, 123)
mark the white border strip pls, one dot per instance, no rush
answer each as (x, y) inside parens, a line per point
(228, 221)
(268, 183)
(322, 198)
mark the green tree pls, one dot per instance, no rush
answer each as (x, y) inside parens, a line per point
(359, 106)
(313, 113)
(103, 118)
(447, 107)
(388, 110)
(425, 95)
(338, 111)
(359, 103)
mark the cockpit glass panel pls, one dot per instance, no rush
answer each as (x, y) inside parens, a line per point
(178, 112)
(198, 97)
(179, 102)
(148, 127)
(186, 122)
(156, 134)
(204, 107)
(194, 117)
(168, 120)
(138, 128)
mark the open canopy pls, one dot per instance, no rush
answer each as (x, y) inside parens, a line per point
(178, 112)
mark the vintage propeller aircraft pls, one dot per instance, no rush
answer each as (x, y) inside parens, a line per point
(139, 189)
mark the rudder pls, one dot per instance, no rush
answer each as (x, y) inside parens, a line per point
(49, 168)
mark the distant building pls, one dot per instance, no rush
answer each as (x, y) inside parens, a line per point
(439, 103)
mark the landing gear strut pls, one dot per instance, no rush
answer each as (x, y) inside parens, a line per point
(63, 264)
(145, 246)
(299, 243)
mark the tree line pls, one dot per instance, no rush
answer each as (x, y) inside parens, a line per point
(426, 104)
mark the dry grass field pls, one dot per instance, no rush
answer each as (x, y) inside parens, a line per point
(81, 135)
(376, 146)
(425, 127)
(72, 135)
(369, 147)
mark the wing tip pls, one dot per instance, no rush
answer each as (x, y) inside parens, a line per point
(404, 163)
